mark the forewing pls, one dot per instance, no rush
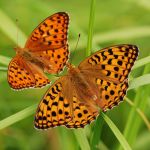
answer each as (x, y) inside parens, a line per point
(49, 34)
(20, 75)
(112, 63)
(53, 60)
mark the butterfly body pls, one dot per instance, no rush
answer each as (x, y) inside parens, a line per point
(83, 88)
(32, 57)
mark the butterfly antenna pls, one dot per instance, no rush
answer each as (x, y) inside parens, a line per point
(76, 46)
(77, 42)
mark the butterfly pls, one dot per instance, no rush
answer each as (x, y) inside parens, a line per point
(99, 82)
(46, 50)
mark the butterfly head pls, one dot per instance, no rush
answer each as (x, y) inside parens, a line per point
(18, 49)
(72, 69)
(70, 66)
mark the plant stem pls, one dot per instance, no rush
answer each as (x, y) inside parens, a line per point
(91, 27)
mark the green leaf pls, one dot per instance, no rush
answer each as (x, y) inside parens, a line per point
(140, 81)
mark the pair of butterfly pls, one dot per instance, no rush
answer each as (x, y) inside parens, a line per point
(100, 81)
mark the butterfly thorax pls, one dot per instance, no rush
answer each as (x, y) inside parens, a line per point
(23, 52)
(29, 56)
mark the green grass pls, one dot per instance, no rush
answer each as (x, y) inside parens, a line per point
(17, 117)
(91, 27)
(103, 27)
(133, 119)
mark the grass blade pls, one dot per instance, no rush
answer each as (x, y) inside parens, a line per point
(134, 121)
(97, 129)
(3, 76)
(141, 62)
(4, 60)
(17, 117)
(82, 139)
(140, 112)
(122, 34)
(3, 69)
(140, 81)
(116, 132)
(91, 27)
(10, 29)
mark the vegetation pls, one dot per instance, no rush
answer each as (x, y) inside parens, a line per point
(100, 24)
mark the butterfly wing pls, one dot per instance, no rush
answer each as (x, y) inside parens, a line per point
(48, 42)
(23, 74)
(111, 63)
(82, 115)
(111, 94)
(49, 34)
(57, 108)
(53, 109)
(53, 60)
(109, 69)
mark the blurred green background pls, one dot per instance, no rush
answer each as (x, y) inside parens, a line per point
(116, 21)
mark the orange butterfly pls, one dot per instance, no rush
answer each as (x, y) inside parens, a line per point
(100, 81)
(46, 50)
